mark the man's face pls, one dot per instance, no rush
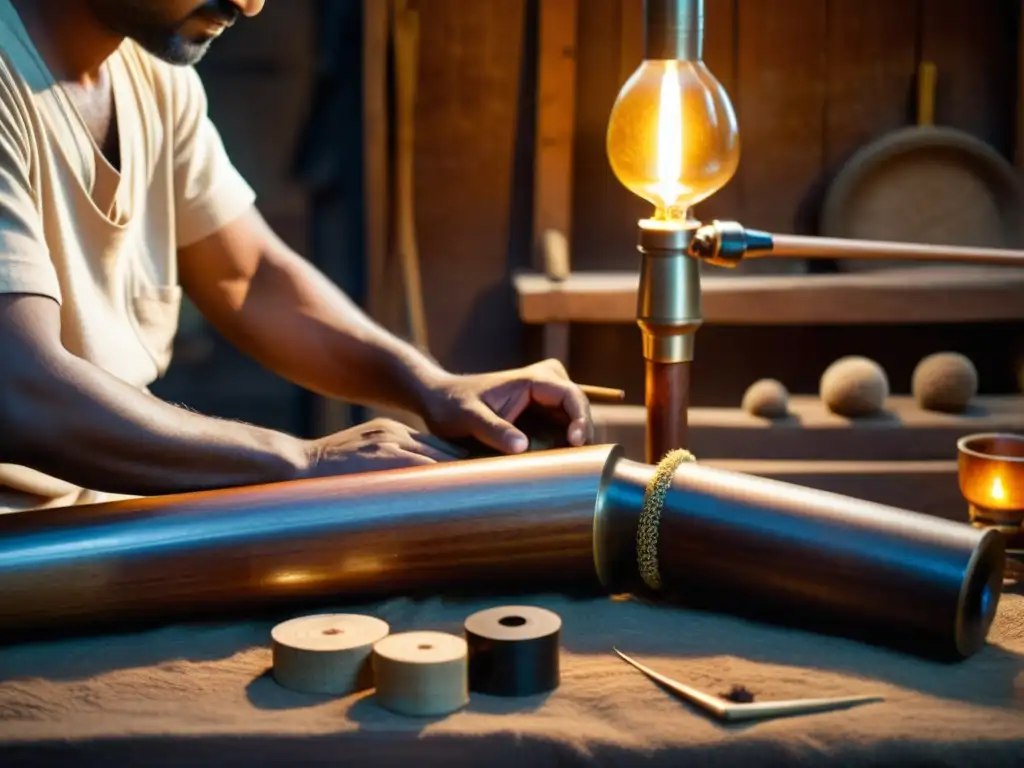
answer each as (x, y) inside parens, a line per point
(177, 31)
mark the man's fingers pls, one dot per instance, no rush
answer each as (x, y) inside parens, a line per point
(570, 398)
(431, 447)
(450, 450)
(395, 458)
(494, 432)
(509, 401)
(556, 365)
(414, 459)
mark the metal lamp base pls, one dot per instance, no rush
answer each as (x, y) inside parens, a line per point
(669, 314)
(1009, 523)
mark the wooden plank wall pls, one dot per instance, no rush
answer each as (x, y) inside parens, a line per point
(472, 180)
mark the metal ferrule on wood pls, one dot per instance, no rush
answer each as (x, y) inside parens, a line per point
(668, 302)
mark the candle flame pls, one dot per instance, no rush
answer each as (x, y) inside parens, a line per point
(670, 139)
(998, 492)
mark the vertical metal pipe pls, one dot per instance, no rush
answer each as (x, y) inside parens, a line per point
(674, 29)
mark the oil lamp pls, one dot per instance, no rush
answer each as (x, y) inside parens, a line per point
(673, 140)
(990, 468)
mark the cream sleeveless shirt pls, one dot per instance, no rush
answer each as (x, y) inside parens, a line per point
(99, 241)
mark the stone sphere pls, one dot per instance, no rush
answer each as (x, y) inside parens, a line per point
(944, 381)
(854, 386)
(767, 398)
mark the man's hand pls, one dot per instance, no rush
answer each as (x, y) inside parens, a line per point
(374, 445)
(485, 406)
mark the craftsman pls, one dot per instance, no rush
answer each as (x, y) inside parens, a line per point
(116, 196)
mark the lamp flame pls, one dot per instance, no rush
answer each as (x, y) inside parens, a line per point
(998, 492)
(670, 140)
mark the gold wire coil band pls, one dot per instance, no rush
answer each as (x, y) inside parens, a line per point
(650, 516)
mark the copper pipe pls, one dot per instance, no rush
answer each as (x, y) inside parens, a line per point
(727, 243)
(551, 520)
(808, 247)
(495, 523)
(667, 398)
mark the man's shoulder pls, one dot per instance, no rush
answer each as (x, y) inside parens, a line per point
(16, 105)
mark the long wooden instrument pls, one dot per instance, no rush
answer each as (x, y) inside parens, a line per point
(549, 520)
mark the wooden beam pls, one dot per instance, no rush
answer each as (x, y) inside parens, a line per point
(555, 130)
(904, 433)
(915, 295)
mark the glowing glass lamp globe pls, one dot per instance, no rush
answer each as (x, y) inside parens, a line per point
(672, 136)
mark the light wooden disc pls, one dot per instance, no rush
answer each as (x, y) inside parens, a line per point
(421, 674)
(326, 653)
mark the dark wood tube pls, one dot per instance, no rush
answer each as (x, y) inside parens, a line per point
(785, 553)
(517, 522)
(668, 400)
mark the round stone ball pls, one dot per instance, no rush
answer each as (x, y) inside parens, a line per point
(854, 386)
(944, 381)
(767, 398)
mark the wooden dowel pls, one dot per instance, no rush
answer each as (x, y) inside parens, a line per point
(667, 398)
(810, 247)
(602, 394)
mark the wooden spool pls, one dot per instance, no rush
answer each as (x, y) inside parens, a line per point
(326, 653)
(421, 674)
(925, 184)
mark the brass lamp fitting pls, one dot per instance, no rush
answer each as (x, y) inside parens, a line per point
(668, 311)
(726, 243)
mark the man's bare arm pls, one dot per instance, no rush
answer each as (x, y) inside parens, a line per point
(279, 309)
(64, 416)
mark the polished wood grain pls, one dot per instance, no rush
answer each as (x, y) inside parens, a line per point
(667, 401)
(522, 522)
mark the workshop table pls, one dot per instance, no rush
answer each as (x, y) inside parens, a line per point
(201, 694)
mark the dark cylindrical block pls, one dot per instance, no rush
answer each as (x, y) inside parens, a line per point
(513, 650)
(794, 554)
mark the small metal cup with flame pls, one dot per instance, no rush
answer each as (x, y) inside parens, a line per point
(991, 473)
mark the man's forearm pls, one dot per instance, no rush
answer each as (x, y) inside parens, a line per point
(301, 326)
(72, 420)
